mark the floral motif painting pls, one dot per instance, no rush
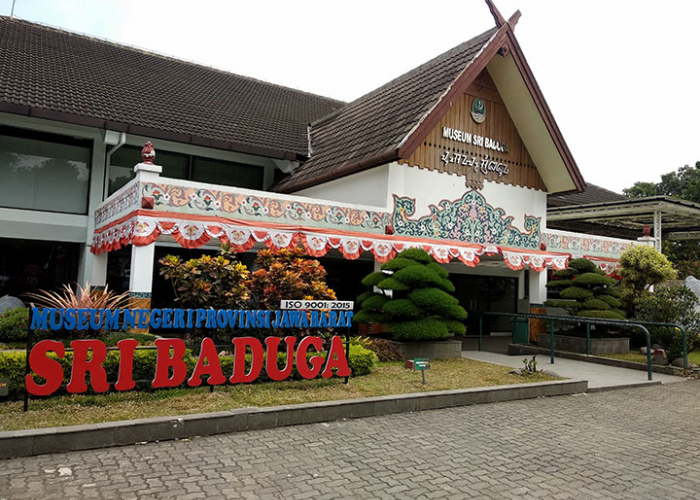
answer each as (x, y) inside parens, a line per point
(589, 245)
(468, 219)
(170, 197)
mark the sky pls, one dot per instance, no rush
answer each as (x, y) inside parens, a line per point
(620, 76)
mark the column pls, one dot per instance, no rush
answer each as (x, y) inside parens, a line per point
(141, 278)
(657, 229)
(538, 294)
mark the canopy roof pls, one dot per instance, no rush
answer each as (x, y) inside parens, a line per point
(680, 219)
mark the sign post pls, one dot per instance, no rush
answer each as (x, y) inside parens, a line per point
(333, 305)
(421, 364)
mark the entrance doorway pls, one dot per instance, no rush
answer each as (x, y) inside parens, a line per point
(479, 294)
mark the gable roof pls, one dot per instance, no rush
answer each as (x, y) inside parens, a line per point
(55, 74)
(369, 130)
(391, 122)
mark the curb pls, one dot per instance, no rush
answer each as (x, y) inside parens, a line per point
(620, 363)
(625, 386)
(31, 442)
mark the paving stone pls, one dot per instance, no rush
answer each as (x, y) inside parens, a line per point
(610, 445)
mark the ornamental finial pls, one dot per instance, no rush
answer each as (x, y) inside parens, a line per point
(148, 153)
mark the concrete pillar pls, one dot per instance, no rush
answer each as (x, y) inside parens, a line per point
(538, 291)
(92, 268)
(141, 278)
(657, 229)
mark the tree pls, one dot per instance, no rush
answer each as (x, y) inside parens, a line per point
(586, 291)
(218, 282)
(683, 183)
(414, 301)
(286, 275)
(642, 266)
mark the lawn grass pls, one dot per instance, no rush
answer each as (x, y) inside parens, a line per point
(693, 357)
(386, 379)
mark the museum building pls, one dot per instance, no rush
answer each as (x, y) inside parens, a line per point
(457, 156)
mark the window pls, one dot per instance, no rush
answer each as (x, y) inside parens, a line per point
(180, 166)
(44, 171)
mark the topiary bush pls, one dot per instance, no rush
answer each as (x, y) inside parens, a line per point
(412, 299)
(585, 291)
(641, 267)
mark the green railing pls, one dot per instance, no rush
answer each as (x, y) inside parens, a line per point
(641, 325)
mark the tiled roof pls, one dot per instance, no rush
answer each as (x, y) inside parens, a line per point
(51, 73)
(592, 194)
(369, 130)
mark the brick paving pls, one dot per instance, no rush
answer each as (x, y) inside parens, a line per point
(634, 443)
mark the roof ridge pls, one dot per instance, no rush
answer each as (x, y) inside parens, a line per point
(161, 55)
(408, 74)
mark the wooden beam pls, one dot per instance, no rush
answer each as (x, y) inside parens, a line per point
(514, 19)
(497, 17)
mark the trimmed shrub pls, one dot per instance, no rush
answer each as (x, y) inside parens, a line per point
(13, 325)
(563, 304)
(610, 300)
(593, 279)
(373, 279)
(559, 283)
(582, 265)
(419, 329)
(576, 293)
(567, 273)
(595, 304)
(375, 302)
(597, 314)
(420, 307)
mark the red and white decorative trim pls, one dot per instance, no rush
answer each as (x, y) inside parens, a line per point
(141, 230)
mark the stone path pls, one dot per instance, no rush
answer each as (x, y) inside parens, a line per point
(598, 376)
(634, 443)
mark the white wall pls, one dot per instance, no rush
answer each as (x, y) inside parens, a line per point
(364, 188)
(430, 187)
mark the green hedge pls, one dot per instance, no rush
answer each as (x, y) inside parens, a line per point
(12, 366)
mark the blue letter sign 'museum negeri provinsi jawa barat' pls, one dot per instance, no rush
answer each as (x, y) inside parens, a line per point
(171, 369)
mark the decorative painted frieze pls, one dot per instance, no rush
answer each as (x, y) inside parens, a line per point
(584, 244)
(469, 219)
(118, 205)
(196, 200)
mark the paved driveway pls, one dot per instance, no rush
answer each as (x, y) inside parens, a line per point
(633, 443)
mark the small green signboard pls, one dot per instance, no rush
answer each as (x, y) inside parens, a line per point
(4, 386)
(421, 364)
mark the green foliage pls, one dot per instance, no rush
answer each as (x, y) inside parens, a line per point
(417, 277)
(641, 266)
(564, 304)
(13, 325)
(559, 283)
(364, 296)
(608, 314)
(373, 279)
(375, 303)
(673, 304)
(454, 327)
(595, 304)
(112, 338)
(393, 284)
(569, 272)
(439, 270)
(12, 365)
(421, 307)
(417, 330)
(432, 300)
(218, 282)
(402, 308)
(582, 265)
(361, 361)
(593, 279)
(611, 291)
(576, 293)
(416, 254)
(610, 300)
(397, 264)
